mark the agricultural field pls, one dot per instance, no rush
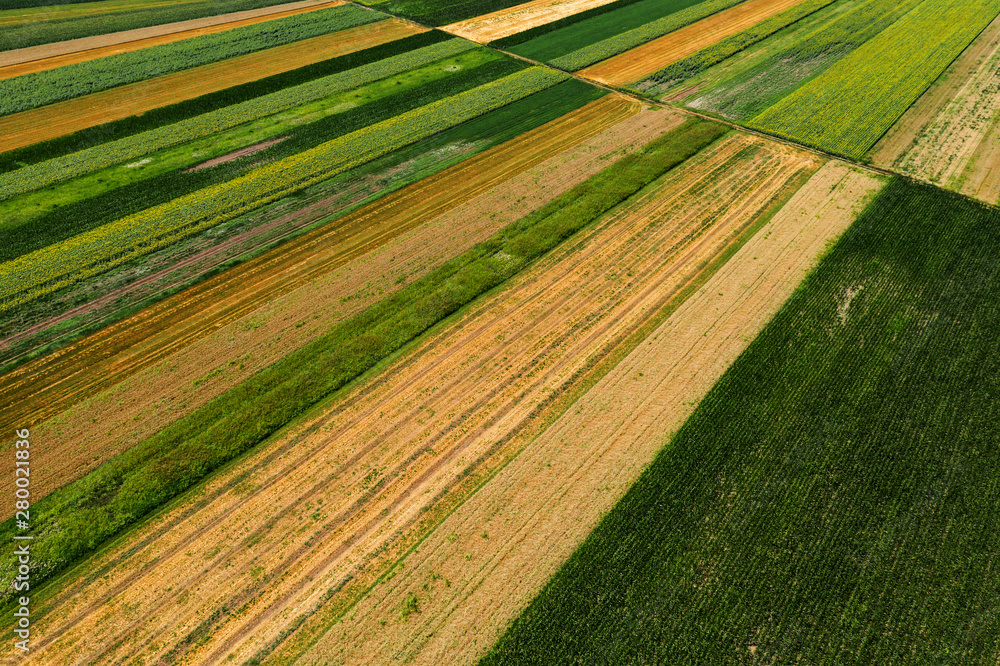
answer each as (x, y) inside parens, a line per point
(453, 332)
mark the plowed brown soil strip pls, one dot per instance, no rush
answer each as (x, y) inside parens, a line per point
(79, 372)
(539, 508)
(49, 56)
(653, 56)
(519, 18)
(336, 500)
(55, 120)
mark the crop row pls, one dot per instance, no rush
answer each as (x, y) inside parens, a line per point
(559, 24)
(849, 107)
(834, 499)
(620, 43)
(716, 53)
(41, 30)
(122, 150)
(440, 12)
(40, 88)
(74, 520)
(65, 263)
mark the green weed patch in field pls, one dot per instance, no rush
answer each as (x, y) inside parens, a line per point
(834, 499)
(74, 521)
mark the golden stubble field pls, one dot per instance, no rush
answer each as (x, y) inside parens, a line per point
(298, 530)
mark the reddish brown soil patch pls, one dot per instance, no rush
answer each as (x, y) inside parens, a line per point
(236, 154)
(55, 120)
(653, 56)
(49, 56)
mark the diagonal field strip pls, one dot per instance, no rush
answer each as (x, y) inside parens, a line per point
(55, 120)
(653, 56)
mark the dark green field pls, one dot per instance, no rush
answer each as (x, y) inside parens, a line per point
(836, 497)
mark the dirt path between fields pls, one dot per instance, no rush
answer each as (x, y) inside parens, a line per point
(651, 57)
(538, 509)
(172, 358)
(948, 136)
(49, 56)
(236, 154)
(54, 120)
(370, 473)
(519, 18)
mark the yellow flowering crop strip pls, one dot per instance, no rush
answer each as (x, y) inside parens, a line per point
(95, 251)
(848, 108)
(123, 150)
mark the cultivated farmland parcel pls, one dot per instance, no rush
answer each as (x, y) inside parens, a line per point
(341, 338)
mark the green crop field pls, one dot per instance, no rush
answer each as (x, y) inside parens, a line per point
(834, 500)
(850, 107)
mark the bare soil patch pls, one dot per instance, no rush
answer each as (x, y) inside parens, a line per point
(946, 137)
(519, 18)
(309, 521)
(541, 506)
(653, 56)
(172, 358)
(49, 56)
(55, 120)
(236, 154)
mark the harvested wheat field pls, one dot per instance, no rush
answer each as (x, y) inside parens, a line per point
(137, 376)
(519, 18)
(373, 471)
(653, 56)
(49, 56)
(54, 120)
(466, 588)
(949, 137)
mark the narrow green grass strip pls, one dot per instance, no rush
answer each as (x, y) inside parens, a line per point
(74, 521)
